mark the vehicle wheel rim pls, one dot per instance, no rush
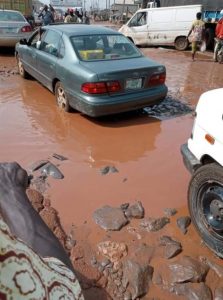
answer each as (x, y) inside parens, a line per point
(61, 97)
(211, 207)
(21, 70)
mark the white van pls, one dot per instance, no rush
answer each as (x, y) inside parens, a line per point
(161, 26)
(203, 157)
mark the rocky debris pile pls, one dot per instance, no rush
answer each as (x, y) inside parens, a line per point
(129, 271)
(169, 108)
(144, 256)
(6, 72)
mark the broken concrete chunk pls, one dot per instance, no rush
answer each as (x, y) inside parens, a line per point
(169, 212)
(135, 211)
(112, 250)
(108, 169)
(51, 170)
(152, 224)
(183, 223)
(137, 277)
(110, 218)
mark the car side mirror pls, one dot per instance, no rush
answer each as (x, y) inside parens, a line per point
(23, 42)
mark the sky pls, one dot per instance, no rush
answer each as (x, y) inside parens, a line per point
(102, 3)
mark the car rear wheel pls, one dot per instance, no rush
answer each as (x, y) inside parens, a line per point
(181, 43)
(22, 71)
(205, 201)
(61, 97)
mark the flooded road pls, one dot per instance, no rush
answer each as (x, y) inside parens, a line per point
(145, 150)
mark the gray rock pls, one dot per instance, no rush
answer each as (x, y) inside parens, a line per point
(105, 170)
(124, 206)
(183, 223)
(110, 218)
(193, 291)
(169, 212)
(51, 170)
(172, 247)
(171, 250)
(165, 240)
(137, 278)
(108, 169)
(135, 211)
(152, 224)
(187, 269)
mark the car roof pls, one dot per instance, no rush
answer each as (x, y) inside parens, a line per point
(10, 10)
(82, 29)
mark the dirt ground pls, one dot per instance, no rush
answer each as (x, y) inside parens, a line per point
(144, 149)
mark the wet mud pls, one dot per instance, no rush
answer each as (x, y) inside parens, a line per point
(144, 147)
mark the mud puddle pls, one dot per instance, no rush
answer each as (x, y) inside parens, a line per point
(145, 150)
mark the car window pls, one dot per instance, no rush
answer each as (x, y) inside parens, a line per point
(139, 19)
(36, 38)
(11, 16)
(104, 47)
(50, 42)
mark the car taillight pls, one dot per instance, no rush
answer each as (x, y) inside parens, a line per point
(101, 87)
(26, 28)
(157, 79)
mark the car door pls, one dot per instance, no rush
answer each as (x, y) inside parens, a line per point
(30, 53)
(138, 28)
(47, 57)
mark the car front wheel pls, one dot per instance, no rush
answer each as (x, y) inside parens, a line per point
(205, 201)
(22, 71)
(61, 97)
(181, 43)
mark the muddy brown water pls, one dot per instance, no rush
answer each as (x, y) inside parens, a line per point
(146, 151)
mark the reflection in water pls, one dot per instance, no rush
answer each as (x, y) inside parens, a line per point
(99, 142)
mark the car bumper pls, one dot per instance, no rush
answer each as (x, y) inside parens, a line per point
(96, 107)
(10, 41)
(190, 161)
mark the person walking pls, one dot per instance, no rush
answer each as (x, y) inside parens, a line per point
(46, 15)
(219, 35)
(197, 30)
(71, 17)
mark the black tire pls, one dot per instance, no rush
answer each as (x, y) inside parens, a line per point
(181, 43)
(209, 37)
(61, 97)
(22, 71)
(205, 202)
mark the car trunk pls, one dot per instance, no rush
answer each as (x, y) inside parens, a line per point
(11, 28)
(132, 74)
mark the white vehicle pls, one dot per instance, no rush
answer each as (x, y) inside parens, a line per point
(161, 26)
(203, 157)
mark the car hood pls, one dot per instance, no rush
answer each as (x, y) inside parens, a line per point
(134, 67)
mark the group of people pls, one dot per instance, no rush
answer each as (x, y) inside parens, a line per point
(198, 34)
(71, 16)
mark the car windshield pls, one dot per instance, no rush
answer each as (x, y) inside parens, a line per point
(104, 47)
(11, 16)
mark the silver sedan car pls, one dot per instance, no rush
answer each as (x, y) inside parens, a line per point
(13, 27)
(92, 69)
